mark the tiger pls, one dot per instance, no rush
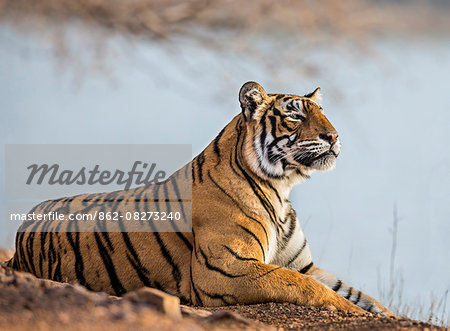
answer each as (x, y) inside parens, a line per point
(246, 244)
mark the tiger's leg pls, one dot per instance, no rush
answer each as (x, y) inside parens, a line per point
(226, 272)
(355, 296)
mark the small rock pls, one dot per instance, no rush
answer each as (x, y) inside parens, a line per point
(227, 316)
(166, 303)
(194, 312)
(100, 312)
(117, 313)
(64, 317)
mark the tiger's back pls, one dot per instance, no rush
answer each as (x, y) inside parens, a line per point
(114, 262)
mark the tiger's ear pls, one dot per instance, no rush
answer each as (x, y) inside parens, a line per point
(316, 95)
(252, 98)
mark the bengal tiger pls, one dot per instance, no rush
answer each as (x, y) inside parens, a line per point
(246, 244)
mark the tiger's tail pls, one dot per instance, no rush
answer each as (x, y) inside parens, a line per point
(8, 264)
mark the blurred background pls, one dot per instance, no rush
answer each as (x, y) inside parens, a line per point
(154, 71)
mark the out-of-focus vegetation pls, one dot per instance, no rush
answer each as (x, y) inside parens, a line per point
(160, 18)
(233, 25)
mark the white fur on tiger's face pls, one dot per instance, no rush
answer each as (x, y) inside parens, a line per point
(288, 135)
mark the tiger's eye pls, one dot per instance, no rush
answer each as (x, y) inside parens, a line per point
(291, 106)
(297, 117)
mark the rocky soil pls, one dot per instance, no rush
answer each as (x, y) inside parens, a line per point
(28, 303)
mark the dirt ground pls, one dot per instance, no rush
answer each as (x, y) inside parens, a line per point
(27, 303)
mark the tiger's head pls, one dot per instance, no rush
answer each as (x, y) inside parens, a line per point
(287, 135)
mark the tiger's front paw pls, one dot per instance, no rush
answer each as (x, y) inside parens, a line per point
(343, 304)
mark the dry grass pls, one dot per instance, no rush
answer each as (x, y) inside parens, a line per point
(391, 293)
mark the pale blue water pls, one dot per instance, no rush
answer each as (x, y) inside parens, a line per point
(392, 112)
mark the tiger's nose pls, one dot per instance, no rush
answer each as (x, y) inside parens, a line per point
(329, 136)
